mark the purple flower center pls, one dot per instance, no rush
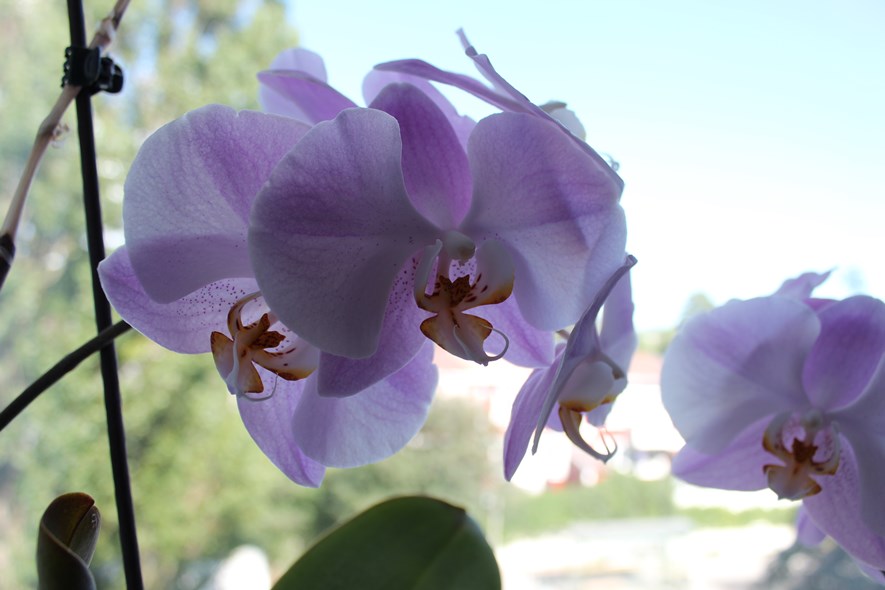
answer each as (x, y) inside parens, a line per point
(254, 343)
(807, 446)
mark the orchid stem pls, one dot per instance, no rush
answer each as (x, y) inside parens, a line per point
(95, 241)
(48, 131)
(59, 370)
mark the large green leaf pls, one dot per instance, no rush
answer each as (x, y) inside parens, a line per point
(66, 541)
(412, 543)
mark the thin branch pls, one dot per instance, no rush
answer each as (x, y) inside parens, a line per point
(49, 130)
(59, 370)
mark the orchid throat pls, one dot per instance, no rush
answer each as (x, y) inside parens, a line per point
(253, 344)
(482, 276)
(807, 446)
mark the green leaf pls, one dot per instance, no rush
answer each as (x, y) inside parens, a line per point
(411, 543)
(66, 541)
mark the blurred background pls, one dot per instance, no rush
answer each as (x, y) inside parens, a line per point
(748, 135)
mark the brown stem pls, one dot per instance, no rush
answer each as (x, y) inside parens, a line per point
(48, 129)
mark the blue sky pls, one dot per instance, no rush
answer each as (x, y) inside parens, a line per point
(751, 135)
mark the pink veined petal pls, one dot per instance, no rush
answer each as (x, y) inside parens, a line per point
(862, 424)
(376, 80)
(435, 168)
(524, 417)
(617, 335)
(583, 346)
(807, 533)
(189, 192)
(301, 96)
(183, 325)
(400, 341)
(734, 365)
(555, 209)
(269, 422)
(371, 425)
(837, 511)
(332, 229)
(738, 466)
(803, 286)
(847, 352)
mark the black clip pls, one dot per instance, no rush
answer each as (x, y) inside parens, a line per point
(85, 67)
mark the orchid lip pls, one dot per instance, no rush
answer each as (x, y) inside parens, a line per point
(805, 459)
(571, 422)
(491, 282)
(254, 344)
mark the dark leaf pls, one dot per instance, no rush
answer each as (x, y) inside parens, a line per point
(66, 541)
(412, 543)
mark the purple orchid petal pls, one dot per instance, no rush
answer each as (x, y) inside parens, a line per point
(556, 211)
(301, 96)
(502, 87)
(302, 60)
(598, 415)
(269, 422)
(836, 510)
(847, 352)
(183, 325)
(400, 341)
(369, 426)
(802, 286)
(861, 423)
(189, 192)
(331, 230)
(503, 95)
(617, 336)
(873, 573)
(736, 467)
(295, 59)
(582, 346)
(422, 69)
(435, 168)
(376, 80)
(734, 365)
(529, 347)
(807, 533)
(524, 417)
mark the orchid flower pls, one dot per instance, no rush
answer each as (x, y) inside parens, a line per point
(788, 392)
(585, 378)
(380, 217)
(184, 279)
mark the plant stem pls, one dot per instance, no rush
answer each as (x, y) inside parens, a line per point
(95, 240)
(59, 370)
(45, 134)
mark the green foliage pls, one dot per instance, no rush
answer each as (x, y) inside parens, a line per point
(617, 496)
(66, 542)
(415, 542)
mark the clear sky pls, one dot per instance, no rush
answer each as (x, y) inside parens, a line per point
(751, 134)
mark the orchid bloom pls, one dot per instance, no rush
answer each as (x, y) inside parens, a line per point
(185, 280)
(788, 392)
(380, 222)
(585, 378)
